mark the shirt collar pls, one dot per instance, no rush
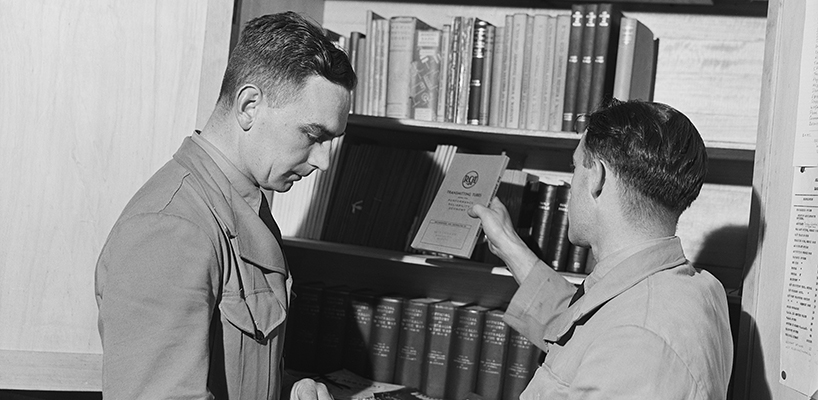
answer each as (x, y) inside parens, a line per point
(248, 191)
(605, 265)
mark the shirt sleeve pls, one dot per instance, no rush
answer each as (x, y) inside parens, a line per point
(543, 295)
(157, 284)
(632, 362)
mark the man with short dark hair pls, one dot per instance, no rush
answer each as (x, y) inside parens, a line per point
(644, 324)
(192, 285)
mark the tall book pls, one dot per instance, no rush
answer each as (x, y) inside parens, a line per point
(521, 365)
(577, 258)
(556, 254)
(466, 44)
(543, 217)
(383, 350)
(505, 76)
(412, 341)
(443, 73)
(488, 77)
(586, 68)
(381, 67)
(605, 47)
(447, 227)
(334, 305)
(358, 333)
(539, 48)
(573, 66)
(453, 69)
(425, 75)
(548, 78)
(303, 325)
(492, 361)
(635, 61)
(478, 61)
(516, 69)
(362, 71)
(402, 41)
(465, 352)
(354, 53)
(439, 342)
(561, 44)
(497, 76)
(526, 86)
(373, 42)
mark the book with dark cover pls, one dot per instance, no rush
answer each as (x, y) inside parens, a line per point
(572, 69)
(635, 61)
(543, 217)
(412, 341)
(439, 342)
(586, 68)
(492, 361)
(465, 353)
(577, 257)
(476, 82)
(385, 331)
(488, 76)
(521, 364)
(303, 325)
(558, 245)
(334, 305)
(605, 47)
(359, 332)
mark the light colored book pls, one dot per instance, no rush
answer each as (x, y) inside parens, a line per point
(424, 75)
(534, 105)
(403, 35)
(447, 227)
(516, 69)
(560, 69)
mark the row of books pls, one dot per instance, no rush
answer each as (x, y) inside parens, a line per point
(443, 348)
(537, 72)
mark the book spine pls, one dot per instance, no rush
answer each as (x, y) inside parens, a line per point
(477, 71)
(333, 324)
(492, 361)
(525, 88)
(516, 67)
(453, 77)
(573, 66)
(497, 74)
(445, 54)
(577, 257)
(486, 84)
(425, 75)
(359, 333)
(411, 343)
(586, 68)
(603, 51)
(533, 111)
(303, 327)
(558, 244)
(354, 53)
(468, 330)
(385, 330)
(548, 77)
(520, 365)
(439, 340)
(506, 68)
(464, 69)
(362, 71)
(543, 217)
(401, 49)
(383, 68)
(624, 59)
(560, 70)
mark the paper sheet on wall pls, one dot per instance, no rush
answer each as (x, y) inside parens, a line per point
(799, 353)
(806, 125)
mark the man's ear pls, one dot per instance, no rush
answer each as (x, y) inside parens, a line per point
(247, 105)
(599, 171)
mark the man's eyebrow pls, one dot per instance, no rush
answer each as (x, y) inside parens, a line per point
(320, 130)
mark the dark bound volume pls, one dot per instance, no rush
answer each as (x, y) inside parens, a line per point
(476, 82)
(333, 326)
(605, 46)
(586, 68)
(303, 325)
(439, 341)
(543, 217)
(359, 332)
(465, 353)
(577, 258)
(558, 245)
(412, 341)
(572, 70)
(492, 356)
(520, 365)
(385, 329)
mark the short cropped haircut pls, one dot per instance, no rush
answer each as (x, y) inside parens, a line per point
(278, 53)
(654, 149)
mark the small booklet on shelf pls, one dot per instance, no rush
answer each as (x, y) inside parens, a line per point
(447, 227)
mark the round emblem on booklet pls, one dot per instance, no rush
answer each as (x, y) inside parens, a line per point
(470, 179)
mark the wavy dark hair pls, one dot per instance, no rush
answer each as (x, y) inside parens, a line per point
(654, 149)
(277, 53)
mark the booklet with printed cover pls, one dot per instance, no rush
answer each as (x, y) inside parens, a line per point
(447, 227)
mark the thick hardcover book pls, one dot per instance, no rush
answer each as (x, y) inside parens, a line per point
(548, 77)
(425, 75)
(488, 76)
(586, 68)
(359, 332)
(573, 67)
(447, 227)
(303, 325)
(372, 43)
(516, 69)
(558, 245)
(527, 76)
(402, 48)
(381, 67)
(492, 361)
(521, 363)
(539, 48)
(354, 53)
(465, 352)
(412, 341)
(605, 46)
(334, 305)
(479, 49)
(439, 342)
(635, 61)
(505, 77)
(497, 77)
(560, 66)
(383, 350)
(543, 217)
(577, 257)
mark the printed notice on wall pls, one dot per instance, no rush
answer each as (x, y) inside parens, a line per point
(799, 353)
(806, 125)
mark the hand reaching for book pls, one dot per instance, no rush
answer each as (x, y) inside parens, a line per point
(503, 239)
(308, 389)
